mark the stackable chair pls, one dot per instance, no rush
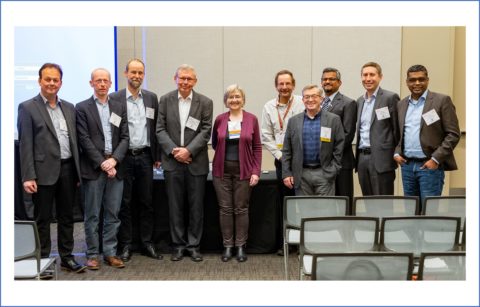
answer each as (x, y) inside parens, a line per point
(362, 266)
(297, 207)
(340, 234)
(385, 205)
(442, 266)
(28, 261)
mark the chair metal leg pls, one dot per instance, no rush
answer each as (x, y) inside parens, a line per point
(285, 258)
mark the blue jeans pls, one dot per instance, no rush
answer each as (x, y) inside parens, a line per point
(421, 182)
(106, 192)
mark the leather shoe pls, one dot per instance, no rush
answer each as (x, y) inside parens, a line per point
(227, 254)
(46, 275)
(280, 252)
(149, 251)
(125, 255)
(241, 254)
(195, 255)
(72, 266)
(114, 262)
(177, 255)
(93, 264)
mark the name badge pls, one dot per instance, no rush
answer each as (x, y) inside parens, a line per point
(382, 113)
(63, 125)
(115, 120)
(150, 112)
(234, 130)
(430, 117)
(192, 123)
(326, 134)
(279, 137)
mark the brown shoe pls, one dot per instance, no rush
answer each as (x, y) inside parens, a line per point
(114, 261)
(93, 264)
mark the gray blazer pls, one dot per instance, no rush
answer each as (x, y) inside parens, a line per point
(92, 139)
(330, 152)
(168, 131)
(38, 142)
(384, 134)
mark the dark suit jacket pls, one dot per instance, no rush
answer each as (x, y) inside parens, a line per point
(92, 139)
(384, 134)
(330, 152)
(150, 100)
(440, 138)
(38, 142)
(168, 131)
(346, 108)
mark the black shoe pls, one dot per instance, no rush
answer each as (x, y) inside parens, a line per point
(280, 252)
(195, 255)
(227, 254)
(126, 254)
(177, 255)
(46, 275)
(72, 266)
(149, 251)
(241, 254)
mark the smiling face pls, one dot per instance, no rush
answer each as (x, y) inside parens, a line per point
(417, 83)
(235, 100)
(185, 80)
(312, 100)
(135, 75)
(285, 87)
(330, 82)
(370, 79)
(50, 82)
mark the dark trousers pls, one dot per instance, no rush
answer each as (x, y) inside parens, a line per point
(282, 192)
(62, 193)
(137, 199)
(372, 182)
(185, 199)
(233, 195)
(344, 184)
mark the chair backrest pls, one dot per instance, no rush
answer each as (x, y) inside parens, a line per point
(445, 206)
(338, 234)
(27, 242)
(442, 266)
(417, 234)
(362, 266)
(383, 206)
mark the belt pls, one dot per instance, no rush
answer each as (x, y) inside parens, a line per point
(365, 151)
(421, 160)
(63, 161)
(311, 166)
(137, 151)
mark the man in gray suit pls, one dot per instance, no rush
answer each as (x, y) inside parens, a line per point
(346, 108)
(183, 131)
(103, 136)
(377, 134)
(312, 148)
(49, 161)
(429, 134)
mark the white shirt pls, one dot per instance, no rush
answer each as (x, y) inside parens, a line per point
(137, 121)
(184, 110)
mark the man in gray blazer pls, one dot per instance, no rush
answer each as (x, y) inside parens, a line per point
(346, 108)
(49, 161)
(377, 134)
(312, 148)
(183, 131)
(103, 136)
(429, 134)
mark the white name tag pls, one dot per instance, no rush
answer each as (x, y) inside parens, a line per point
(326, 134)
(234, 130)
(192, 123)
(150, 112)
(382, 113)
(63, 125)
(115, 120)
(279, 137)
(430, 117)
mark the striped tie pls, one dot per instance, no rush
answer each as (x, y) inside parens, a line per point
(326, 104)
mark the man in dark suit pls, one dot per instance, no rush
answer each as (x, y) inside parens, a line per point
(183, 130)
(312, 148)
(49, 161)
(429, 133)
(377, 134)
(346, 108)
(103, 136)
(142, 156)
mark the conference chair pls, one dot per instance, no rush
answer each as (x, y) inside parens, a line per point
(362, 266)
(339, 234)
(28, 261)
(385, 205)
(442, 266)
(297, 207)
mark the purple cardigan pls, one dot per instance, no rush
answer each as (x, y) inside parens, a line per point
(250, 147)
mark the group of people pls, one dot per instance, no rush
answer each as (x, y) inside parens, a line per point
(110, 144)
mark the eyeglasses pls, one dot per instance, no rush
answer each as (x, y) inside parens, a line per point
(314, 96)
(100, 81)
(414, 80)
(329, 79)
(188, 79)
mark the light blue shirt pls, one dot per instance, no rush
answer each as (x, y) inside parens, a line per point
(104, 113)
(366, 120)
(411, 133)
(137, 121)
(60, 125)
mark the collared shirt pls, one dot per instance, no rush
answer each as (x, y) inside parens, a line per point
(272, 129)
(184, 109)
(60, 125)
(104, 113)
(366, 120)
(137, 121)
(411, 133)
(311, 139)
(330, 103)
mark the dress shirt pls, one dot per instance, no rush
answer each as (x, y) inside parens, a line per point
(104, 113)
(184, 109)
(366, 120)
(137, 121)
(60, 125)
(411, 133)
(311, 139)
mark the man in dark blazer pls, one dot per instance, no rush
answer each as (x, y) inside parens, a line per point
(377, 134)
(142, 156)
(49, 161)
(103, 136)
(312, 148)
(183, 131)
(346, 108)
(429, 134)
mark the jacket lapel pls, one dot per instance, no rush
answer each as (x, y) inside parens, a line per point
(93, 110)
(43, 111)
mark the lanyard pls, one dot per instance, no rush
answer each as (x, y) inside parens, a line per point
(280, 120)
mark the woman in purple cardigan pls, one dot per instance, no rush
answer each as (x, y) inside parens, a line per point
(236, 169)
